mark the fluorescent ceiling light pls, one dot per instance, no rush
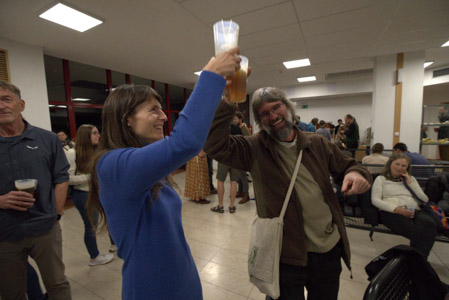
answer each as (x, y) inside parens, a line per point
(426, 64)
(197, 73)
(306, 79)
(297, 63)
(69, 17)
(445, 44)
(81, 99)
(61, 106)
(51, 105)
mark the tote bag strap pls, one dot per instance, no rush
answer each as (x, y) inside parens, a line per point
(420, 201)
(290, 188)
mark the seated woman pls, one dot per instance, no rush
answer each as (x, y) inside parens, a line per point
(375, 158)
(132, 189)
(399, 210)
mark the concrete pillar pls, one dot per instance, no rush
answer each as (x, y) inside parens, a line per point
(407, 93)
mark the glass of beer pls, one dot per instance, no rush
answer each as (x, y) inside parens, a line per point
(237, 88)
(26, 185)
(226, 36)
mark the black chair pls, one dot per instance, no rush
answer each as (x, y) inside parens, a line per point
(391, 283)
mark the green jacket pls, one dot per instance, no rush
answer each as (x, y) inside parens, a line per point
(257, 154)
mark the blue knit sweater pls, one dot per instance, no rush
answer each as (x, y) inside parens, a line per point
(148, 232)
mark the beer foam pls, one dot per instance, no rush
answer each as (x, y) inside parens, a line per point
(25, 184)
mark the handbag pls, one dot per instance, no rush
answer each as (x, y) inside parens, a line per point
(265, 247)
(432, 210)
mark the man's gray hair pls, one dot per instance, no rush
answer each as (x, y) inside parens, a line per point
(10, 87)
(267, 95)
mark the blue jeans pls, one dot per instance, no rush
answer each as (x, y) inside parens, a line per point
(79, 199)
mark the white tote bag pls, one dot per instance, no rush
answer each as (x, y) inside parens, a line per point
(265, 247)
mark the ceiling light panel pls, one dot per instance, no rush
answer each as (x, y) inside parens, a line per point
(69, 17)
(306, 79)
(297, 63)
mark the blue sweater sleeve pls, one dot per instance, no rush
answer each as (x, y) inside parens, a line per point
(136, 170)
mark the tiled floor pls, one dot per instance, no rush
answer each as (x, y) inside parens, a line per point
(219, 245)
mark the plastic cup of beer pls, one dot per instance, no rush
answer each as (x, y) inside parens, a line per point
(226, 36)
(237, 88)
(26, 185)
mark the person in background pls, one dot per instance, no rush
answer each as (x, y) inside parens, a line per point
(399, 210)
(340, 136)
(416, 159)
(29, 223)
(323, 131)
(342, 148)
(351, 134)
(443, 132)
(313, 124)
(375, 158)
(302, 125)
(210, 167)
(197, 186)
(243, 190)
(337, 128)
(80, 158)
(315, 238)
(222, 173)
(131, 186)
(65, 141)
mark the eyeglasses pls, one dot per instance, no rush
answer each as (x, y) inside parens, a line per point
(276, 109)
(95, 133)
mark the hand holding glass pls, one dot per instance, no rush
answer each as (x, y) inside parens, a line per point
(26, 185)
(237, 88)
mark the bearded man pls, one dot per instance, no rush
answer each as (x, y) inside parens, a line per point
(314, 238)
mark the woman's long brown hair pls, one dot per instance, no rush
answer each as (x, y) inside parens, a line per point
(118, 107)
(84, 148)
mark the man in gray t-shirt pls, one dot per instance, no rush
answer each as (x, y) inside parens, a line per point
(29, 223)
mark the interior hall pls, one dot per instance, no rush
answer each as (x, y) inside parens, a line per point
(383, 63)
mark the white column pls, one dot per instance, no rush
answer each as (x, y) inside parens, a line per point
(412, 99)
(384, 86)
(383, 100)
(26, 66)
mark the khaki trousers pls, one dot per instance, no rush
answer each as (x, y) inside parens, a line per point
(46, 250)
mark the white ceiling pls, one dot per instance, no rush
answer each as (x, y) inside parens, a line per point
(167, 40)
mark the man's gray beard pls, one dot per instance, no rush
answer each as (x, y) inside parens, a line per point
(282, 134)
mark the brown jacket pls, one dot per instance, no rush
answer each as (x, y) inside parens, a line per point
(257, 154)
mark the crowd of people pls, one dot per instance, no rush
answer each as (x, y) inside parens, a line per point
(121, 183)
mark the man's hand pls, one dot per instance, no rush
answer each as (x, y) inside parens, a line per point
(16, 200)
(354, 183)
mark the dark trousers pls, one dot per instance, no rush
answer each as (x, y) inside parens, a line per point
(46, 250)
(321, 277)
(421, 230)
(243, 183)
(79, 199)
(211, 172)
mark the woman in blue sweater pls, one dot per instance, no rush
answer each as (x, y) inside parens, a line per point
(131, 185)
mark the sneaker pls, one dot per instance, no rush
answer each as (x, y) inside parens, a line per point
(101, 259)
(113, 248)
(213, 191)
(244, 199)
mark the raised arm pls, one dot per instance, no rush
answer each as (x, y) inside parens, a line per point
(145, 166)
(233, 151)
